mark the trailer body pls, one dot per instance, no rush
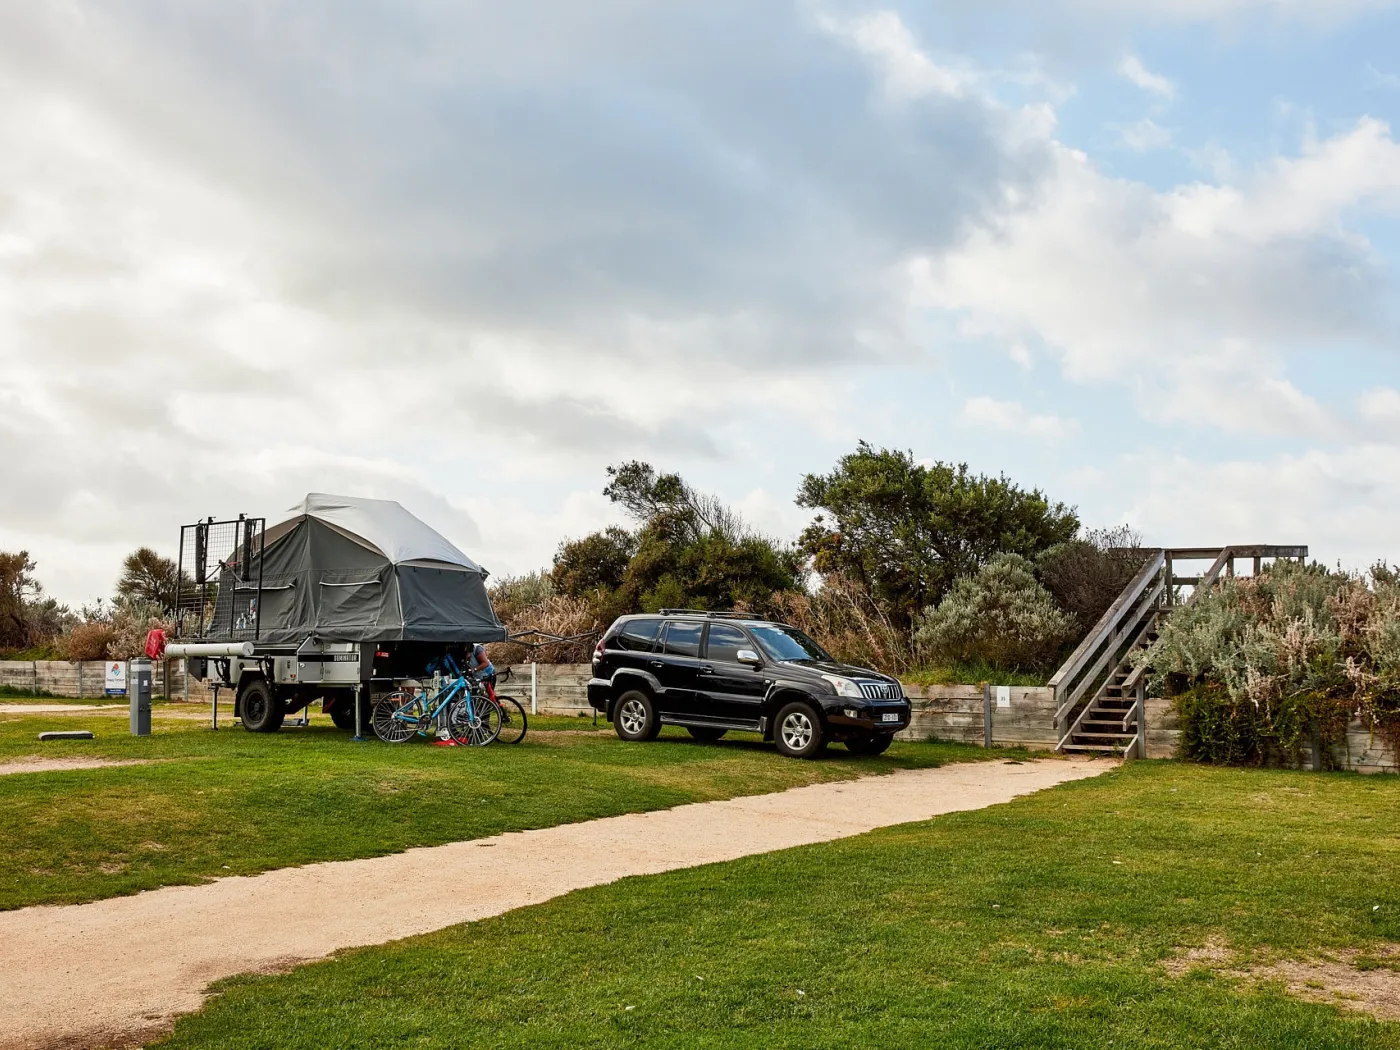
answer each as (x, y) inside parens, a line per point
(343, 600)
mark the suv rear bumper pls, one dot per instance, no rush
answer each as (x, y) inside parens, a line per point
(599, 694)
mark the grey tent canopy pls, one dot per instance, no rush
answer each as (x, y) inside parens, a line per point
(359, 570)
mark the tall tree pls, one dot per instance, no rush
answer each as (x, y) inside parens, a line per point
(148, 576)
(907, 530)
(689, 549)
(17, 586)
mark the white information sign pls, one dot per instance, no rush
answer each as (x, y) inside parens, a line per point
(1003, 696)
(115, 680)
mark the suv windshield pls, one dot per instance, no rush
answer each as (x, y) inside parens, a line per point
(787, 644)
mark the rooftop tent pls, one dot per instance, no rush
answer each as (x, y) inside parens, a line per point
(357, 570)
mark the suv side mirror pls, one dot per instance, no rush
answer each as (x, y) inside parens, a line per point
(748, 656)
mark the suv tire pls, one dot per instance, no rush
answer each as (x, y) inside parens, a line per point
(707, 734)
(260, 708)
(870, 745)
(798, 731)
(634, 717)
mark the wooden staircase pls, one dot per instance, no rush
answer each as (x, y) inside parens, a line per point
(1113, 720)
(1101, 691)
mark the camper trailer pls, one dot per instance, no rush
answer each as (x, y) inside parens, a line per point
(344, 600)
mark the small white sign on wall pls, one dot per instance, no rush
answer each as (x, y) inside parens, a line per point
(115, 680)
(1003, 696)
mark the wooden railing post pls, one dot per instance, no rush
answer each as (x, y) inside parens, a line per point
(1142, 717)
(986, 714)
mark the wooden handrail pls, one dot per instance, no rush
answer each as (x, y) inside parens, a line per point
(1108, 621)
(1135, 625)
(1143, 626)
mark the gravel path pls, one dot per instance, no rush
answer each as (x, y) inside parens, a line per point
(117, 972)
(39, 764)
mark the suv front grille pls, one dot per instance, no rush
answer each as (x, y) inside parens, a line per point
(881, 691)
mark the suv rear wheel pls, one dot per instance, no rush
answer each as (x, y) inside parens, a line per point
(634, 717)
(798, 731)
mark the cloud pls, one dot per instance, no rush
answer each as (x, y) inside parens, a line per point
(1377, 79)
(1132, 68)
(1205, 284)
(1283, 499)
(1012, 418)
(419, 252)
(1145, 135)
(909, 73)
(1310, 11)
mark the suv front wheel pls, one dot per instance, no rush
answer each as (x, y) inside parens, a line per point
(798, 731)
(635, 716)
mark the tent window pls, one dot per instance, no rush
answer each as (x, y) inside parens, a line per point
(349, 603)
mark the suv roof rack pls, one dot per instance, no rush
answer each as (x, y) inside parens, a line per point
(710, 613)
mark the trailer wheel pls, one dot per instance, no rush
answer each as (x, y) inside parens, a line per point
(343, 714)
(261, 710)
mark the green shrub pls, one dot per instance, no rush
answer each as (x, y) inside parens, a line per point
(1000, 616)
(1265, 668)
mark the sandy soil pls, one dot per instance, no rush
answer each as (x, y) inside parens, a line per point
(39, 764)
(58, 709)
(117, 972)
(1339, 978)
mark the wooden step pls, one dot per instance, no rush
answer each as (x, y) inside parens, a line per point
(1086, 737)
(1101, 748)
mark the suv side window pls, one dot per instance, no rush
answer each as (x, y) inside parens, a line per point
(639, 636)
(725, 643)
(683, 639)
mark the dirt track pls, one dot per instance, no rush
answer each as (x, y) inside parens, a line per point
(40, 764)
(117, 972)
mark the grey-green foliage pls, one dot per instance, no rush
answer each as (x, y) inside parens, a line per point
(1001, 615)
(1259, 638)
(1262, 666)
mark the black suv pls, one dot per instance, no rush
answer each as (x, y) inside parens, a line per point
(713, 672)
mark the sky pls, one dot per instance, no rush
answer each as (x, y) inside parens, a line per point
(1140, 254)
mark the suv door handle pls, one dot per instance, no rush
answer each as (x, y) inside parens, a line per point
(707, 669)
(657, 664)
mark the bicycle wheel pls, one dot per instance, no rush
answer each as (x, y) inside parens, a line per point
(396, 717)
(475, 724)
(513, 721)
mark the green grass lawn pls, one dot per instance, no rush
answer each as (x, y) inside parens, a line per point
(1041, 923)
(234, 802)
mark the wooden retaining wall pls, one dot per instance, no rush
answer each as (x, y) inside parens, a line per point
(1362, 752)
(941, 712)
(85, 679)
(957, 712)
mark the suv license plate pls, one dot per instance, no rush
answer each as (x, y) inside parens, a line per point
(889, 718)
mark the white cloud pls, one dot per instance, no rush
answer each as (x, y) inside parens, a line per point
(1205, 284)
(909, 73)
(1313, 11)
(1145, 135)
(1381, 405)
(1132, 68)
(1342, 503)
(1011, 417)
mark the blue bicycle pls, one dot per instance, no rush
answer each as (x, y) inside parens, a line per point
(455, 704)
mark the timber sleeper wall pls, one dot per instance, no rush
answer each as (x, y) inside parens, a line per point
(941, 712)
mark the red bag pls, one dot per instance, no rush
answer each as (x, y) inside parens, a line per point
(155, 643)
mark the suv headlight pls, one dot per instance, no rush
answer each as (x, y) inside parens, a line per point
(843, 686)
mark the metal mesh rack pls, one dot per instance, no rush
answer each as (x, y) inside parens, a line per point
(220, 574)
